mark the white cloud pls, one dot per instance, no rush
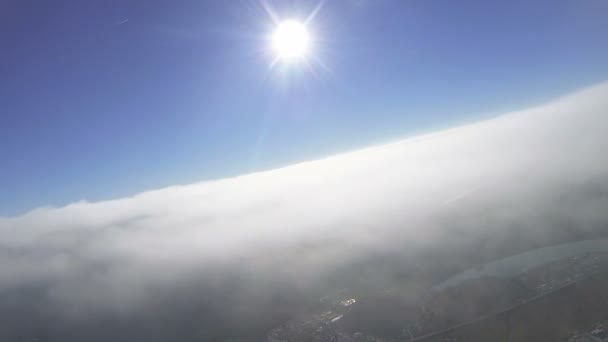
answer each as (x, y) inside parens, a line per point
(534, 168)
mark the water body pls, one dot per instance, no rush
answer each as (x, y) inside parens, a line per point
(514, 265)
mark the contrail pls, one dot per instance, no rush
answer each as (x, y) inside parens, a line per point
(121, 22)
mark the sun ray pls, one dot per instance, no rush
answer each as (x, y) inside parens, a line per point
(314, 12)
(273, 16)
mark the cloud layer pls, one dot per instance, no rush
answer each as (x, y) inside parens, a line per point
(213, 255)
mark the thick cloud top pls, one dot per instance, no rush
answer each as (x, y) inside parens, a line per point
(537, 168)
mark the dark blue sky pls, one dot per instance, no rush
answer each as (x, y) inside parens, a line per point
(103, 99)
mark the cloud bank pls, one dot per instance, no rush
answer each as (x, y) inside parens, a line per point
(231, 257)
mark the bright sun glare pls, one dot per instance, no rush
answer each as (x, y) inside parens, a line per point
(291, 40)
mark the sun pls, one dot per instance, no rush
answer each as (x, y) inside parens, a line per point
(291, 40)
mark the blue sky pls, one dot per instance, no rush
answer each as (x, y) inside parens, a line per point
(104, 99)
